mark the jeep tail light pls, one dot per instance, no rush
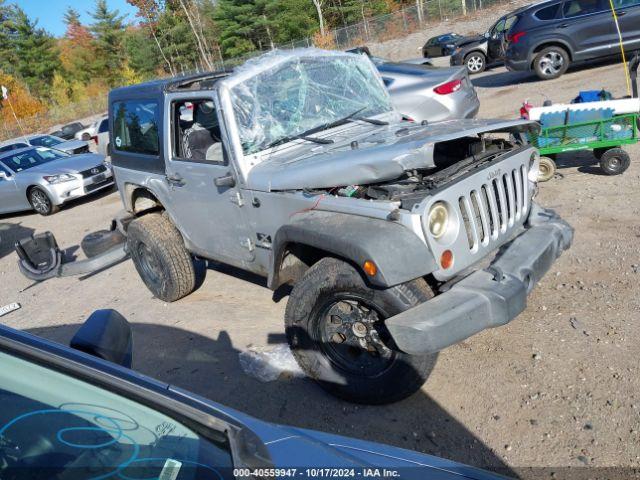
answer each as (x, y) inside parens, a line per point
(515, 38)
(449, 87)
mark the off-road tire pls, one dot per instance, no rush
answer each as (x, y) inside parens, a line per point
(614, 161)
(322, 283)
(547, 169)
(551, 54)
(101, 241)
(41, 202)
(160, 257)
(476, 62)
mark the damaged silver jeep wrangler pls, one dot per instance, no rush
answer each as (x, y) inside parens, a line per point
(398, 239)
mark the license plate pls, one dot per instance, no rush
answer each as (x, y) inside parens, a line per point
(99, 178)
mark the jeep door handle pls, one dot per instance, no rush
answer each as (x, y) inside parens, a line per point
(564, 25)
(176, 180)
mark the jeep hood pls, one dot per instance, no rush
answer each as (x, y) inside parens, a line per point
(362, 155)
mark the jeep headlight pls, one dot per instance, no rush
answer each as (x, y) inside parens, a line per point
(63, 177)
(534, 167)
(438, 219)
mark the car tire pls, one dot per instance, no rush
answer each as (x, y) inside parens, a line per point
(97, 243)
(380, 373)
(160, 257)
(41, 202)
(614, 161)
(551, 62)
(476, 62)
(547, 169)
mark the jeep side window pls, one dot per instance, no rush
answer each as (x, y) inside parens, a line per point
(136, 127)
(196, 132)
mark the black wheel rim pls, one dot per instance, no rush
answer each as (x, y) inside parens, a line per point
(40, 202)
(351, 334)
(150, 266)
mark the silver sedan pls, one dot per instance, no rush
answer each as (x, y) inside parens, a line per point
(42, 178)
(50, 141)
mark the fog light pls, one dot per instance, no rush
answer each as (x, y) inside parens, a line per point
(438, 220)
(446, 259)
(370, 268)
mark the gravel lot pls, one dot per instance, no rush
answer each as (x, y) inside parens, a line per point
(557, 387)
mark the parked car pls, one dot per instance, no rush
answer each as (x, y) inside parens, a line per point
(88, 132)
(427, 93)
(298, 168)
(548, 37)
(69, 131)
(81, 412)
(483, 51)
(68, 146)
(43, 179)
(442, 45)
(102, 136)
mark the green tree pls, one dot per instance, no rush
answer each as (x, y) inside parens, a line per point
(36, 57)
(142, 52)
(108, 32)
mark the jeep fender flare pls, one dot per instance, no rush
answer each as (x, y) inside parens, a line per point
(399, 254)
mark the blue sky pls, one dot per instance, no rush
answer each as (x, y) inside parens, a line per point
(50, 12)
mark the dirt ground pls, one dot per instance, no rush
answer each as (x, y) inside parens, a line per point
(557, 387)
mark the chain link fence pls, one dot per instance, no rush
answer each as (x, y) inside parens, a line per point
(371, 30)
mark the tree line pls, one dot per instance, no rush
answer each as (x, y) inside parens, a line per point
(167, 37)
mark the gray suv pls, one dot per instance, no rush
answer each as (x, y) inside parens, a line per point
(398, 239)
(549, 36)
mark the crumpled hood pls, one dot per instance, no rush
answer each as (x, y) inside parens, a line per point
(471, 39)
(363, 155)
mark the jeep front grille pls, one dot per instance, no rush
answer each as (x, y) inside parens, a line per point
(485, 209)
(492, 209)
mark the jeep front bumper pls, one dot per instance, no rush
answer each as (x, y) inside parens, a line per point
(486, 298)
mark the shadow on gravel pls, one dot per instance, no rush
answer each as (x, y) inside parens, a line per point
(211, 368)
(10, 233)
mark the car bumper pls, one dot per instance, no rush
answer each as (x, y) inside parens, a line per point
(66, 191)
(487, 298)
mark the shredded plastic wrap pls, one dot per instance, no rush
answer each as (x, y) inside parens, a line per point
(285, 93)
(268, 364)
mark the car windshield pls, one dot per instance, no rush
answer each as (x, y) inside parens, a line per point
(302, 93)
(45, 141)
(55, 426)
(32, 158)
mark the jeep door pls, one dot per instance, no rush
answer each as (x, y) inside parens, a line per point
(210, 217)
(588, 26)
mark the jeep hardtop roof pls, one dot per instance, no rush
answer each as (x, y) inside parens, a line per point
(199, 81)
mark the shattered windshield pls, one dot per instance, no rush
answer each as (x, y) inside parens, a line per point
(305, 93)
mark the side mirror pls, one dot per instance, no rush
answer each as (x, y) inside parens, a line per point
(3, 176)
(107, 335)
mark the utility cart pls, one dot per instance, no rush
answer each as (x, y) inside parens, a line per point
(603, 127)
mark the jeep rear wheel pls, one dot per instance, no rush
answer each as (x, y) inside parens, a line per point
(335, 328)
(160, 257)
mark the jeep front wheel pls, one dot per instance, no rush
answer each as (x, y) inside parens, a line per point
(160, 257)
(336, 331)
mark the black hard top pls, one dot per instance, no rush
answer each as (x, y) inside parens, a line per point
(199, 81)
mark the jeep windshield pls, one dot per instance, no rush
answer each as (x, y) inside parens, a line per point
(289, 94)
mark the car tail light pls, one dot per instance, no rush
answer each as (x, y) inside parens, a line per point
(449, 87)
(515, 37)
(95, 138)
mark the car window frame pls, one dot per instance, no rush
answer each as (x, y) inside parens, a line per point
(107, 376)
(559, 13)
(601, 3)
(172, 134)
